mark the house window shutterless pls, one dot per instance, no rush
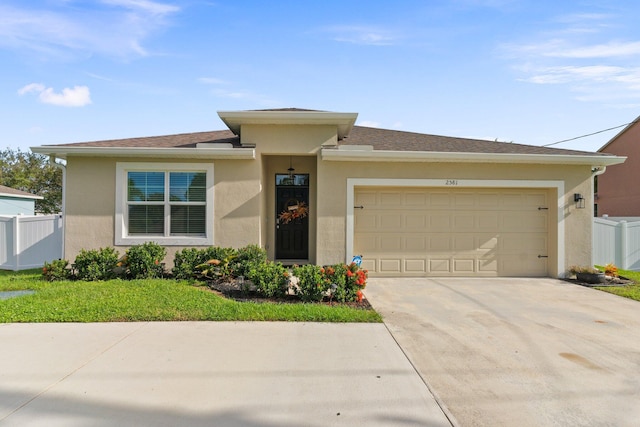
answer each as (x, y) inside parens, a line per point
(170, 204)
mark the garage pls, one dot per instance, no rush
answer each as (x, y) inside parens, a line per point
(423, 231)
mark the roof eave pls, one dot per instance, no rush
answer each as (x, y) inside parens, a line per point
(435, 156)
(235, 119)
(19, 196)
(62, 152)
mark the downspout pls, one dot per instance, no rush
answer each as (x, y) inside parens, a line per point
(595, 171)
(63, 167)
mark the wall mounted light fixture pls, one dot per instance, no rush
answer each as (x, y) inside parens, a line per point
(579, 200)
(291, 170)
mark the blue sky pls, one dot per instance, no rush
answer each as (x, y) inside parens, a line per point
(528, 71)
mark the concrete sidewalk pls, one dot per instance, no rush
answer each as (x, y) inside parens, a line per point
(256, 374)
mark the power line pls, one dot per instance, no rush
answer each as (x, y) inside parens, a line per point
(589, 134)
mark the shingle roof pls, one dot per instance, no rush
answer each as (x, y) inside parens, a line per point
(8, 191)
(380, 139)
(183, 140)
(393, 140)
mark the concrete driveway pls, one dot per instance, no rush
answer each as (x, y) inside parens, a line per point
(518, 352)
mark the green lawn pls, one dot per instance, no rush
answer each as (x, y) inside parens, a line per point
(145, 300)
(629, 291)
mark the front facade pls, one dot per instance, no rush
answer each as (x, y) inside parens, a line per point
(617, 194)
(17, 202)
(309, 186)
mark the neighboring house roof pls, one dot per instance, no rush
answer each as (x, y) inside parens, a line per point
(619, 134)
(354, 143)
(12, 192)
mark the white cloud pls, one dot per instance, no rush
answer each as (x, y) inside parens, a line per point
(33, 87)
(365, 35)
(118, 28)
(212, 81)
(151, 7)
(78, 96)
(584, 56)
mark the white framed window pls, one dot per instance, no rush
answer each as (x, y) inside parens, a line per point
(168, 203)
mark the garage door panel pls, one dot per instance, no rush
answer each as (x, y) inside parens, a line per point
(366, 221)
(464, 222)
(415, 243)
(464, 265)
(488, 221)
(415, 199)
(440, 201)
(415, 265)
(439, 266)
(439, 243)
(422, 231)
(391, 244)
(439, 221)
(415, 221)
(463, 242)
(390, 199)
(390, 265)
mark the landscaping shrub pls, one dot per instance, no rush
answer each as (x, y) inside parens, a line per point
(345, 282)
(270, 278)
(56, 270)
(248, 257)
(96, 264)
(187, 261)
(144, 261)
(311, 283)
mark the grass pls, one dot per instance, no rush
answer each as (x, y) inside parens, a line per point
(630, 291)
(149, 300)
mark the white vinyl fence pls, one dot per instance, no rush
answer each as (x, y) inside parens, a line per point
(617, 241)
(29, 241)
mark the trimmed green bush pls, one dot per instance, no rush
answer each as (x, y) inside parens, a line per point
(270, 278)
(145, 261)
(248, 257)
(56, 270)
(311, 283)
(96, 264)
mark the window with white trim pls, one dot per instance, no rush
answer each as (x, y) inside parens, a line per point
(166, 203)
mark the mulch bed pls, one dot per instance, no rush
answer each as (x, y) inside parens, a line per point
(234, 290)
(609, 281)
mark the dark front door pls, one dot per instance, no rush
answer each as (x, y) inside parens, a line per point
(292, 217)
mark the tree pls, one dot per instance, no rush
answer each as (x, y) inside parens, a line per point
(34, 174)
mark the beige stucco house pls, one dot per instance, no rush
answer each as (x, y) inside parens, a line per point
(310, 186)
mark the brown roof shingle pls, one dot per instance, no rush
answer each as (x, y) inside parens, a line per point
(393, 140)
(380, 139)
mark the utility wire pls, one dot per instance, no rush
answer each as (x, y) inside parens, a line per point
(589, 134)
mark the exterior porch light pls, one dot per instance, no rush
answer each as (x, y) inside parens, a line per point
(291, 170)
(579, 200)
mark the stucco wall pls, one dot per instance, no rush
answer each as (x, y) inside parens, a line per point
(91, 204)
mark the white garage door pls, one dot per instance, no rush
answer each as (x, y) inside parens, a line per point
(452, 232)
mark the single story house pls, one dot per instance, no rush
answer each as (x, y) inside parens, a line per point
(17, 202)
(310, 186)
(617, 193)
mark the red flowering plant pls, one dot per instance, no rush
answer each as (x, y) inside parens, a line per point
(345, 282)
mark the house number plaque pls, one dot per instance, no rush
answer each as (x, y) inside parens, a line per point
(451, 182)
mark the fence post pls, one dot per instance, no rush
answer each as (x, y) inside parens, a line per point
(623, 245)
(16, 242)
